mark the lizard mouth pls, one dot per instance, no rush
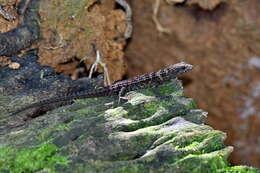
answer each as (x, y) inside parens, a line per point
(188, 67)
(185, 67)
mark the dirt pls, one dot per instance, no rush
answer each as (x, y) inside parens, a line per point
(9, 6)
(69, 29)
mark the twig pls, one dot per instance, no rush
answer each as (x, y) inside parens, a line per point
(129, 13)
(159, 27)
(103, 65)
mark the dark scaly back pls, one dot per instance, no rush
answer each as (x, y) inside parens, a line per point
(135, 83)
(78, 95)
(154, 78)
(139, 82)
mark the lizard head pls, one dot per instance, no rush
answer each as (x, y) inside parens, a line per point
(178, 69)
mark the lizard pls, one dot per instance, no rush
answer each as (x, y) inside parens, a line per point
(149, 80)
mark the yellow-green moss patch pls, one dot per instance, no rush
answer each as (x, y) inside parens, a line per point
(29, 160)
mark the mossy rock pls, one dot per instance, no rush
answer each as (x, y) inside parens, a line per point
(145, 133)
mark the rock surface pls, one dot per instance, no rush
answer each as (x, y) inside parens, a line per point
(146, 133)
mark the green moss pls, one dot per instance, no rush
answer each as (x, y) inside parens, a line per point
(204, 142)
(190, 103)
(84, 111)
(44, 133)
(143, 110)
(213, 142)
(199, 143)
(151, 107)
(193, 145)
(142, 106)
(29, 160)
(171, 88)
(239, 169)
(62, 127)
(133, 169)
(47, 132)
(115, 113)
(206, 163)
(140, 97)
